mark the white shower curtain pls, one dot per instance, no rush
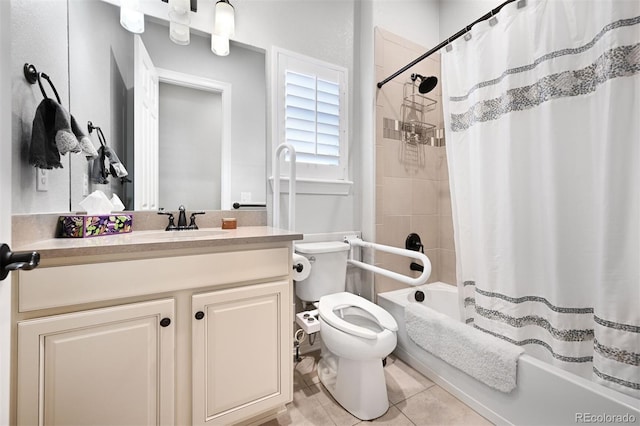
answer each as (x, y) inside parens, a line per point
(542, 116)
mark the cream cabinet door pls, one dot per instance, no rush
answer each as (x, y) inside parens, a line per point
(242, 352)
(112, 366)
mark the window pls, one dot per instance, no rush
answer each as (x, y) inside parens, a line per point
(311, 114)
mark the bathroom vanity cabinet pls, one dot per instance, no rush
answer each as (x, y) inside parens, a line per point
(114, 364)
(172, 335)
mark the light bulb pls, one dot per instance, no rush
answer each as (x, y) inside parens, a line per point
(179, 33)
(130, 16)
(224, 20)
(219, 45)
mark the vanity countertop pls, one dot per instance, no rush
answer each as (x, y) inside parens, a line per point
(148, 241)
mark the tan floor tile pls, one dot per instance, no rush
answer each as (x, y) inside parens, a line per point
(307, 368)
(339, 415)
(418, 401)
(392, 417)
(410, 371)
(402, 381)
(321, 394)
(303, 410)
(298, 381)
(435, 406)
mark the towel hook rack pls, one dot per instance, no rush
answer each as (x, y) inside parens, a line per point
(98, 130)
(91, 127)
(32, 75)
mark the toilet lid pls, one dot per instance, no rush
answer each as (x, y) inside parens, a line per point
(332, 302)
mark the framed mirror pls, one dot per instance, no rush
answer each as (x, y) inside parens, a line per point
(211, 137)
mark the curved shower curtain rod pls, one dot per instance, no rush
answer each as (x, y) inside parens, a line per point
(488, 15)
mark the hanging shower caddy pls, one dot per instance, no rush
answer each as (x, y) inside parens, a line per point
(414, 109)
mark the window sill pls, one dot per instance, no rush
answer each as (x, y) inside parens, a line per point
(315, 186)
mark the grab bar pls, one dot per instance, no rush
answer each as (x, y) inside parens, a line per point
(292, 185)
(424, 276)
(237, 205)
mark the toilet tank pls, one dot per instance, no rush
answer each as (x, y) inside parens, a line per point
(328, 269)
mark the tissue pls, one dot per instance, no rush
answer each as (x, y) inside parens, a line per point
(116, 203)
(99, 221)
(97, 203)
(306, 267)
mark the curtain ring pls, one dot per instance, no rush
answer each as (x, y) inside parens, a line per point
(448, 47)
(493, 20)
(467, 35)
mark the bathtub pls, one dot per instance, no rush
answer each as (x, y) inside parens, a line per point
(545, 395)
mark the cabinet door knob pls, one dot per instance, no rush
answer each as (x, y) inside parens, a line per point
(164, 322)
(199, 315)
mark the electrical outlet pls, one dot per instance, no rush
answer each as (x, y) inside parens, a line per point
(42, 180)
(245, 197)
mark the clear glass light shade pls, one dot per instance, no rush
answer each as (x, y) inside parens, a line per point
(130, 16)
(179, 20)
(179, 10)
(179, 33)
(219, 45)
(224, 20)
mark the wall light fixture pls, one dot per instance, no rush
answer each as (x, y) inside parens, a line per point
(179, 21)
(223, 27)
(131, 18)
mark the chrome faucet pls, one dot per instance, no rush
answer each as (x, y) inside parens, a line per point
(182, 220)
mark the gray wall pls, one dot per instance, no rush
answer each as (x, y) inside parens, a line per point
(340, 32)
(244, 69)
(5, 209)
(189, 135)
(456, 14)
(100, 85)
(39, 34)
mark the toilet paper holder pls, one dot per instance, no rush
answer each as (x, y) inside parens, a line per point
(299, 267)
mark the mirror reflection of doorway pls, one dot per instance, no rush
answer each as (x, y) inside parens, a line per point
(190, 123)
(189, 118)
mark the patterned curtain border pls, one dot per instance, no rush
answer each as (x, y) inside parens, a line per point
(610, 352)
(619, 355)
(608, 378)
(523, 299)
(618, 62)
(570, 335)
(545, 345)
(549, 56)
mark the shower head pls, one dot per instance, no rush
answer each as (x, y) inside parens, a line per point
(427, 84)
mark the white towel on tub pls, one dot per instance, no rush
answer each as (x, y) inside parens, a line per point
(486, 358)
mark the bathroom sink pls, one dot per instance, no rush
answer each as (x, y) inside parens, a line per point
(178, 235)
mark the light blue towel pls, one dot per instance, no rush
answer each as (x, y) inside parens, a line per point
(486, 358)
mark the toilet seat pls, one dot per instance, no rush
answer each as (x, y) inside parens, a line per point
(330, 303)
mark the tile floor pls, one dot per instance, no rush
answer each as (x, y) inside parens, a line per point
(413, 400)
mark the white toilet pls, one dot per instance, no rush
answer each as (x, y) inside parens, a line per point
(356, 334)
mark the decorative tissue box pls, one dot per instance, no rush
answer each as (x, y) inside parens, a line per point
(84, 226)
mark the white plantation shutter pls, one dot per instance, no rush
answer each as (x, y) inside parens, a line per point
(312, 115)
(312, 118)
